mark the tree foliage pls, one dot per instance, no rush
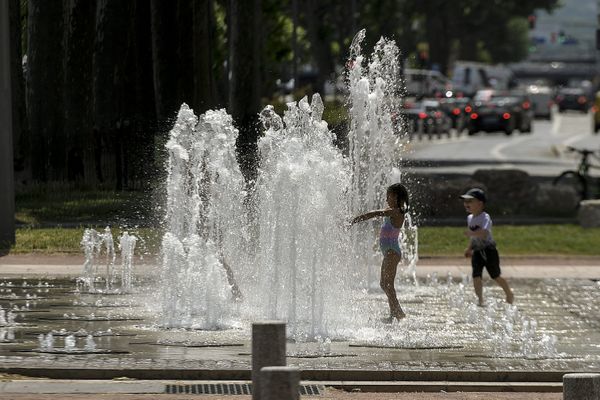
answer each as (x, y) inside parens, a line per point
(104, 78)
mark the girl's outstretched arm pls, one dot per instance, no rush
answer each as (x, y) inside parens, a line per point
(371, 214)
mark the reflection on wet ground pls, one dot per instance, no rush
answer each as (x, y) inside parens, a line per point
(555, 326)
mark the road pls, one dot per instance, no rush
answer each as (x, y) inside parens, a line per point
(541, 153)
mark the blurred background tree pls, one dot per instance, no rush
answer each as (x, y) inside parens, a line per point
(102, 80)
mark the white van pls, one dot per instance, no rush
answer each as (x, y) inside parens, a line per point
(468, 77)
(424, 83)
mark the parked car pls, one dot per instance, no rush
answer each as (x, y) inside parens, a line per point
(572, 99)
(596, 110)
(516, 102)
(524, 113)
(442, 123)
(454, 108)
(413, 119)
(501, 113)
(541, 99)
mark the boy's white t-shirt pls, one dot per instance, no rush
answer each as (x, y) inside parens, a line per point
(481, 221)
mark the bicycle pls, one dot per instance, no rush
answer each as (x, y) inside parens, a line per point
(581, 177)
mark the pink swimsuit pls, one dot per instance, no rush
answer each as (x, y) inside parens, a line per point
(388, 237)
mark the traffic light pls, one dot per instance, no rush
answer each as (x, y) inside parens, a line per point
(531, 19)
(561, 37)
(423, 54)
(423, 59)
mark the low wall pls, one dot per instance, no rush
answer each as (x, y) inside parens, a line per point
(511, 193)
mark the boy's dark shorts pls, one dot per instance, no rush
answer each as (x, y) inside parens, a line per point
(487, 258)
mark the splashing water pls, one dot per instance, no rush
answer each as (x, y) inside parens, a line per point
(127, 244)
(302, 249)
(375, 145)
(94, 245)
(205, 221)
(300, 268)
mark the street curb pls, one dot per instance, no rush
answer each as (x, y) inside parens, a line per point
(312, 375)
(65, 386)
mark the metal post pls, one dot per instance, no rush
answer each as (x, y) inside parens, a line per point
(7, 186)
(268, 350)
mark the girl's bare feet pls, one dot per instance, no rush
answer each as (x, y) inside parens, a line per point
(398, 315)
(510, 297)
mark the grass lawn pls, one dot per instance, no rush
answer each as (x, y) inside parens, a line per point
(66, 240)
(62, 204)
(531, 240)
(73, 208)
(526, 240)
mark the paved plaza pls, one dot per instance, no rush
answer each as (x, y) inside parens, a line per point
(440, 348)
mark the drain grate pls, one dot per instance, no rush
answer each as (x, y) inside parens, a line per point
(231, 389)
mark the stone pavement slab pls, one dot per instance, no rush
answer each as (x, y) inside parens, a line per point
(14, 387)
(583, 267)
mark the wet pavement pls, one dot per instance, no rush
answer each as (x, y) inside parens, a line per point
(553, 329)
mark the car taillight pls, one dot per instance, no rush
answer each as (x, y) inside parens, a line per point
(526, 105)
(474, 116)
(581, 100)
(506, 115)
(468, 109)
(422, 115)
(456, 111)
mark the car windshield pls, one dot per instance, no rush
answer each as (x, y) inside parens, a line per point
(503, 100)
(572, 91)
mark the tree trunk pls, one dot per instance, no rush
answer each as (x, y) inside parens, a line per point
(439, 37)
(112, 50)
(19, 111)
(244, 90)
(78, 89)
(163, 15)
(319, 42)
(185, 52)
(138, 164)
(44, 89)
(205, 94)
(172, 56)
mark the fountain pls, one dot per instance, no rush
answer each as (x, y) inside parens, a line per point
(94, 244)
(284, 251)
(375, 147)
(302, 243)
(205, 222)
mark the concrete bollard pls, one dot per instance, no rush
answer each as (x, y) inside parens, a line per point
(581, 387)
(279, 383)
(268, 350)
(589, 213)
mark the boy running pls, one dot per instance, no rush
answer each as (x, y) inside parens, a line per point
(482, 248)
